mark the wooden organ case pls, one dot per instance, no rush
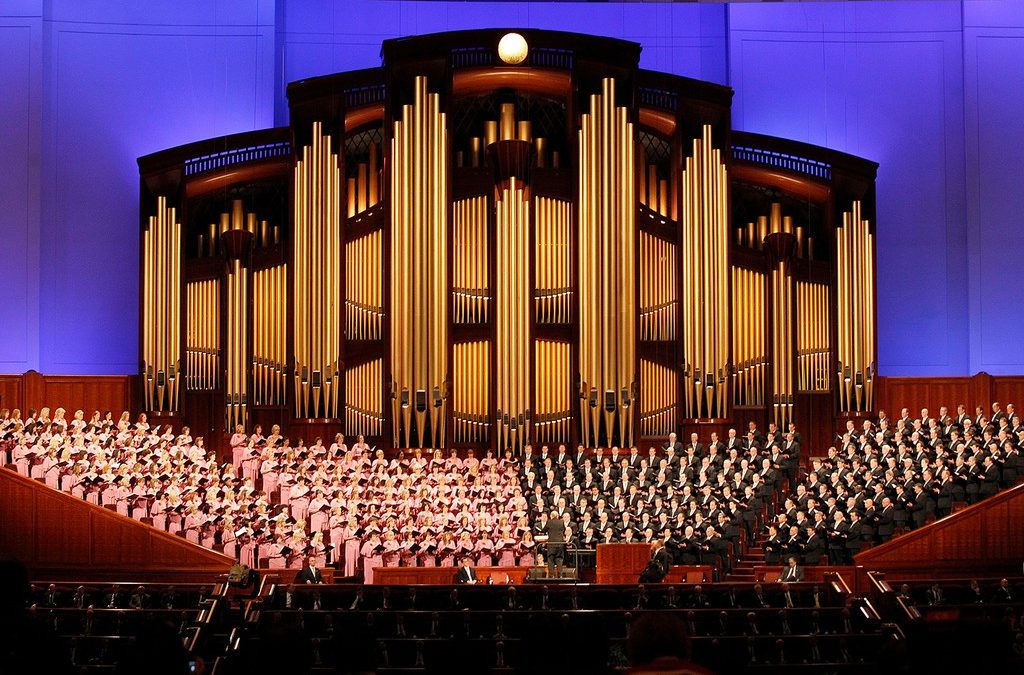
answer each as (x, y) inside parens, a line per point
(466, 248)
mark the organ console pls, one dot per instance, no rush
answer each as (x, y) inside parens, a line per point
(458, 250)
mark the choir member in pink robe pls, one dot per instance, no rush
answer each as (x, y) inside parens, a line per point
(392, 549)
(238, 441)
(485, 551)
(372, 555)
(527, 550)
(409, 551)
(428, 550)
(506, 549)
(446, 549)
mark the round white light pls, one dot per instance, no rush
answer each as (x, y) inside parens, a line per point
(513, 48)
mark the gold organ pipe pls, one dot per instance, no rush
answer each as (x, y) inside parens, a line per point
(419, 293)
(373, 195)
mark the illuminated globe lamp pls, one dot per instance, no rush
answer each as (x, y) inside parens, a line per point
(512, 48)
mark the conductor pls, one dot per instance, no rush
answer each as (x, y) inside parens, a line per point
(555, 531)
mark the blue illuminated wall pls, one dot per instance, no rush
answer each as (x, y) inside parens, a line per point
(933, 91)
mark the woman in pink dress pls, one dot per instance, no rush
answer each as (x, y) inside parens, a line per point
(527, 550)
(351, 543)
(446, 549)
(238, 442)
(409, 551)
(392, 547)
(371, 553)
(485, 551)
(506, 547)
(428, 548)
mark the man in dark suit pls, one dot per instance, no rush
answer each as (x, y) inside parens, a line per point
(814, 547)
(466, 574)
(309, 574)
(556, 545)
(792, 572)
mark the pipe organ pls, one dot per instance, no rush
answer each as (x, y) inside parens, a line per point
(471, 392)
(269, 335)
(161, 308)
(419, 332)
(364, 304)
(471, 295)
(705, 238)
(202, 342)
(607, 240)
(553, 291)
(749, 339)
(513, 417)
(855, 362)
(813, 337)
(316, 260)
(450, 250)
(364, 402)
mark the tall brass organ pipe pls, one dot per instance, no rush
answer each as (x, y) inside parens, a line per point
(513, 317)
(607, 260)
(471, 366)
(553, 294)
(653, 191)
(269, 323)
(658, 387)
(813, 343)
(317, 265)
(364, 308)
(471, 295)
(161, 309)
(364, 399)
(657, 288)
(748, 337)
(202, 337)
(552, 391)
(419, 307)
(782, 344)
(705, 240)
(236, 389)
(855, 312)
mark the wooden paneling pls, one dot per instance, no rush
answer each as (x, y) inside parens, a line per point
(71, 392)
(621, 563)
(984, 538)
(932, 392)
(397, 576)
(59, 536)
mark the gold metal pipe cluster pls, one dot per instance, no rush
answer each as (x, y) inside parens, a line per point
(653, 191)
(553, 294)
(748, 337)
(317, 263)
(512, 314)
(471, 293)
(607, 264)
(364, 399)
(269, 335)
(782, 344)
(364, 287)
(855, 312)
(471, 410)
(658, 397)
(419, 272)
(657, 288)
(202, 334)
(506, 128)
(552, 392)
(705, 249)
(363, 188)
(813, 347)
(161, 309)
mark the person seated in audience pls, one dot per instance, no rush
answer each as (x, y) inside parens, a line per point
(792, 571)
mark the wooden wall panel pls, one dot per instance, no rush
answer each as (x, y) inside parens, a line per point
(984, 538)
(71, 392)
(59, 536)
(10, 391)
(932, 392)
